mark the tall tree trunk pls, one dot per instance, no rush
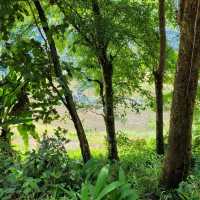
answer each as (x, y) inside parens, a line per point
(85, 150)
(159, 114)
(158, 75)
(178, 158)
(107, 72)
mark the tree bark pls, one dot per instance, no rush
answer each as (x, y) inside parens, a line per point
(158, 75)
(178, 158)
(159, 114)
(85, 150)
(107, 72)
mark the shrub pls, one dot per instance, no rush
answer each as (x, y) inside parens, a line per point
(45, 172)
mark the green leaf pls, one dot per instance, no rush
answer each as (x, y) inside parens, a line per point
(101, 180)
(85, 192)
(112, 186)
(23, 132)
(122, 177)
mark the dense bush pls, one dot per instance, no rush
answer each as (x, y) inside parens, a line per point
(45, 172)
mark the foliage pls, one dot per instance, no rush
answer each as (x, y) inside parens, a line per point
(47, 171)
(141, 163)
(118, 190)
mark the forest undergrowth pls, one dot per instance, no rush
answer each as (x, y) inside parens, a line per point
(49, 173)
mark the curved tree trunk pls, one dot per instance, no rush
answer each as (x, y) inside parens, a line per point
(85, 150)
(158, 75)
(178, 158)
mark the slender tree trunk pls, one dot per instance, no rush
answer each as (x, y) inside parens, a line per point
(159, 73)
(107, 72)
(178, 158)
(159, 114)
(85, 150)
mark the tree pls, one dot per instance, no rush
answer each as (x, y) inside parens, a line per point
(95, 36)
(158, 76)
(107, 73)
(178, 157)
(63, 83)
(92, 22)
